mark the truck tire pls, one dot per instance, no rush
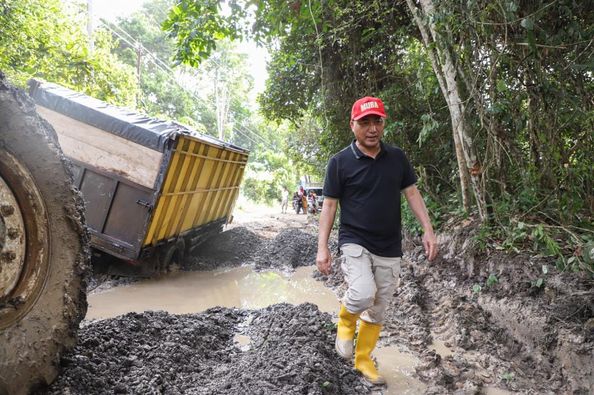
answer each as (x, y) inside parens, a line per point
(161, 261)
(172, 253)
(175, 255)
(43, 248)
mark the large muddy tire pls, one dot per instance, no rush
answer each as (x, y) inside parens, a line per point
(43, 248)
(162, 260)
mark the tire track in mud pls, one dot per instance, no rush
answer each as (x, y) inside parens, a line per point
(497, 341)
(409, 322)
(483, 353)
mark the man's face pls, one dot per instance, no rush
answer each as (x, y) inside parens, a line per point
(368, 130)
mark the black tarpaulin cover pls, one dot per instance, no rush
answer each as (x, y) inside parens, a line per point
(149, 132)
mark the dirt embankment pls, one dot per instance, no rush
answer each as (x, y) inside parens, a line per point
(500, 329)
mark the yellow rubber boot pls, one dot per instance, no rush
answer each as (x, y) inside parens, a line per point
(345, 333)
(366, 340)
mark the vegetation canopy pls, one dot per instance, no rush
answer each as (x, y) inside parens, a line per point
(492, 101)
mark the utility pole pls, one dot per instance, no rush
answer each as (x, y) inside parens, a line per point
(218, 105)
(90, 26)
(138, 71)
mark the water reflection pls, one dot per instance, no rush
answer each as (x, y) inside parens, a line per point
(191, 292)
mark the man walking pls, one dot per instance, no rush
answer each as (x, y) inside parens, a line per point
(367, 178)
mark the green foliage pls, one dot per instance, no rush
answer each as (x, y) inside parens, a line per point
(410, 222)
(197, 25)
(492, 280)
(148, 48)
(222, 82)
(563, 244)
(270, 170)
(145, 26)
(538, 283)
(588, 253)
(508, 376)
(43, 39)
(430, 125)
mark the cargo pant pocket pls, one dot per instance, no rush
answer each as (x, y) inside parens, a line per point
(350, 258)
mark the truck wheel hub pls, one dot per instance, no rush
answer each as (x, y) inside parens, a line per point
(12, 241)
(24, 240)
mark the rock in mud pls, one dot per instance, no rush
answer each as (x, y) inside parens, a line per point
(290, 352)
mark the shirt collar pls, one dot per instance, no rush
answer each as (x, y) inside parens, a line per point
(358, 154)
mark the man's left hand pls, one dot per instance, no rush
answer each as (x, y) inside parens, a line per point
(430, 244)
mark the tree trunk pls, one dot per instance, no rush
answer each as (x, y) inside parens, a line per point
(445, 71)
(462, 170)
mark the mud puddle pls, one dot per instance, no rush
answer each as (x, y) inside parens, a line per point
(398, 368)
(193, 292)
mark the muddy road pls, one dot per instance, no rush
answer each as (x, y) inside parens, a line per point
(248, 314)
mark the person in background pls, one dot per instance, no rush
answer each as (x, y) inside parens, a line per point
(312, 203)
(303, 197)
(297, 202)
(367, 178)
(284, 200)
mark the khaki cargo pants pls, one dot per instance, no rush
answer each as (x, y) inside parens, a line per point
(371, 281)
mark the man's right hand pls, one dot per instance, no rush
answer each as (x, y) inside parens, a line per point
(324, 260)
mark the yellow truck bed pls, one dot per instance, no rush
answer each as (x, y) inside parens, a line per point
(201, 185)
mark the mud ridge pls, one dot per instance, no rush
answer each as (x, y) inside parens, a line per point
(291, 248)
(502, 330)
(233, 247)
(290, 351)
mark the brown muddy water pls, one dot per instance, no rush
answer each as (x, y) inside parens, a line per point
(241, 287)
(193, 292)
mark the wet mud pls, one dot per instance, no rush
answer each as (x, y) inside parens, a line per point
(502, 330)
(289, 351)
(289, 249)
(473, 322)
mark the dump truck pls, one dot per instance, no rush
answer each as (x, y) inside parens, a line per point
(152, 189)
(149, 189)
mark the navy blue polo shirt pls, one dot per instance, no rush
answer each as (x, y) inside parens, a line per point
(368, 191)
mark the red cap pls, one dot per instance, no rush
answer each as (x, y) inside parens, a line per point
(368, 106)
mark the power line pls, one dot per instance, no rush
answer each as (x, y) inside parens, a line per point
(246, 136)
(169, 72)
(163, 64)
